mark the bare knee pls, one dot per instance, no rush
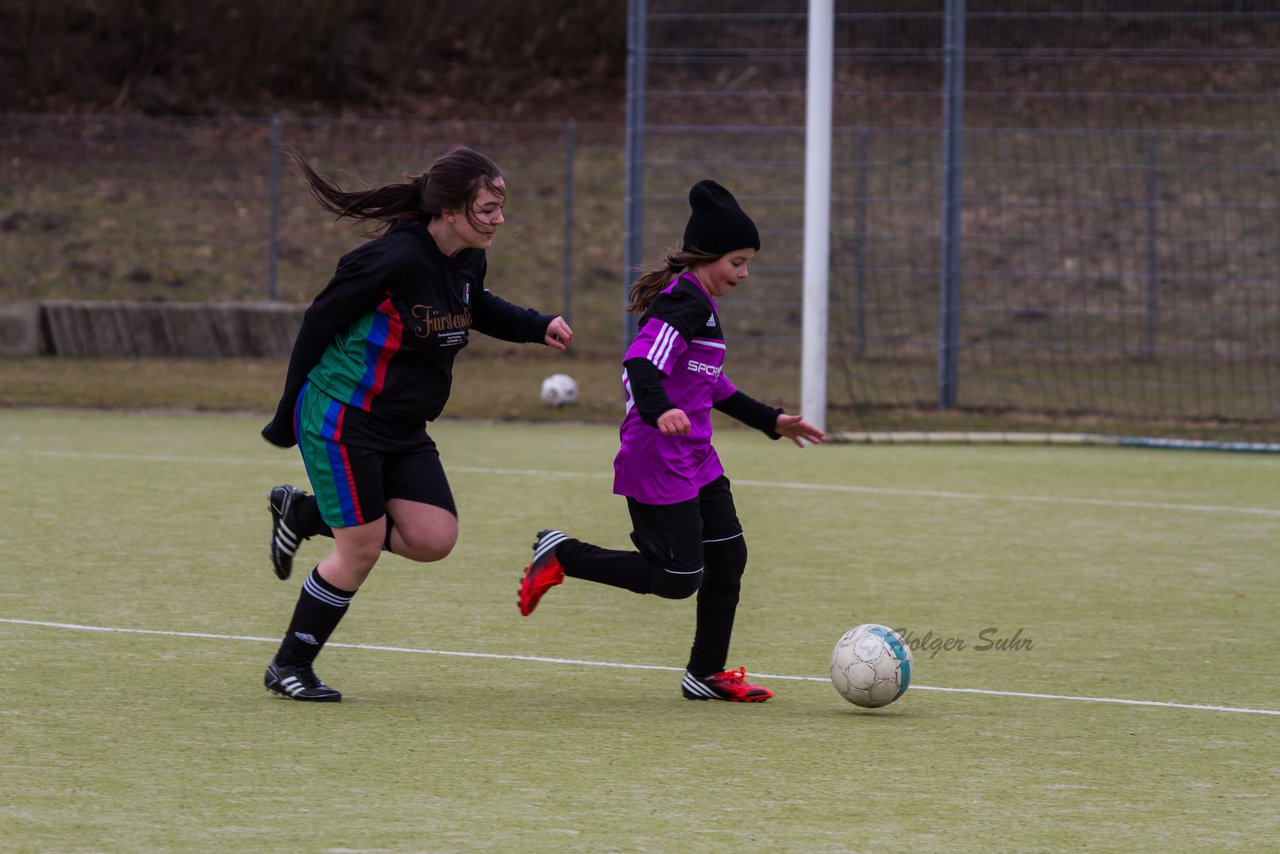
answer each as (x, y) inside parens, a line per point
(425, 536)
(421, 532)
(355, 552)
(424, 546)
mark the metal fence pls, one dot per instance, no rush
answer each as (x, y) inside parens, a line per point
(1120, 198)
(1119, 202)
(180, 209)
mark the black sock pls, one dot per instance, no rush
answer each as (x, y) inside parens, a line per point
(319, 610)
(717, 605)
(306, 512)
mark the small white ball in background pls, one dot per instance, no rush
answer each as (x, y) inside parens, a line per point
(559, 390)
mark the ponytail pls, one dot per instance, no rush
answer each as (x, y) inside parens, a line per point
(653, 280)
(452, 183)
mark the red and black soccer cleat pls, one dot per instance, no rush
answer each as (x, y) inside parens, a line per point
(543, 572)
(730, 685)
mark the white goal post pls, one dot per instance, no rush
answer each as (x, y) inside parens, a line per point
(817, 211)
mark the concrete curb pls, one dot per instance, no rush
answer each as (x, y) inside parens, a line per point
(125, 330)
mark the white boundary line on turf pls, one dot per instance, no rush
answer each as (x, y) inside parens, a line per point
(766, 484)
(586, 663)
(921, 493)
(1042, 499)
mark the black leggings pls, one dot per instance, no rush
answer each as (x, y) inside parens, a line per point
(692, 547)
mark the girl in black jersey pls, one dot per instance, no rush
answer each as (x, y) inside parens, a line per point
(372, 363)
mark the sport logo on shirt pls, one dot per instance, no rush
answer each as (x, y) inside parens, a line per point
(697, 367)
(711, 321)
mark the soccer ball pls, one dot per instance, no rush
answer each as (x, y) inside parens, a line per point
(559, 390)
(871, 666)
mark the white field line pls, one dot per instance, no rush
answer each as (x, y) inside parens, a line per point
(1272, 512)
(586, 663)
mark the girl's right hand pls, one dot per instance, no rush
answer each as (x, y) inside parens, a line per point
(798, 430)
(673, 422)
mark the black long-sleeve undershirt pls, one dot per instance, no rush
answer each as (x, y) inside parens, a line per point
(651, 400)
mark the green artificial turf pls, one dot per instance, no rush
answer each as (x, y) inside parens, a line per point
(1133, 591)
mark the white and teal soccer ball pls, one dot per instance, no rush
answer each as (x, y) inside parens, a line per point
(559, 390)
(871, 666)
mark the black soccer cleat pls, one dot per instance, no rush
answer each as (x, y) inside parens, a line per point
(298, 683)
(284, 528)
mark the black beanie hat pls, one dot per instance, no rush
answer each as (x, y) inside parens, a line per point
(717, 225)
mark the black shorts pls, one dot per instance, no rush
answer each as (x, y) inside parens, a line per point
(673, 535)
(356, 462)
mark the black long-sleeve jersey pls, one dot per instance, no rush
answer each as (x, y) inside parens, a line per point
(384, 332)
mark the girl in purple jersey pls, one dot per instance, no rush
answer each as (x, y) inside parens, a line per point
(687, 535)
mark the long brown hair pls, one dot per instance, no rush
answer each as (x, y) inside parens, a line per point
(653, 279)
(452, 183)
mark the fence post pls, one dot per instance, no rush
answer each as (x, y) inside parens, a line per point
(860, 239)
(273, 235)
(952, 158)
(570, 140)
(1153, 273)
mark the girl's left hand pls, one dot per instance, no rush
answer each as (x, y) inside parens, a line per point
(559, 335)
(798, 430)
